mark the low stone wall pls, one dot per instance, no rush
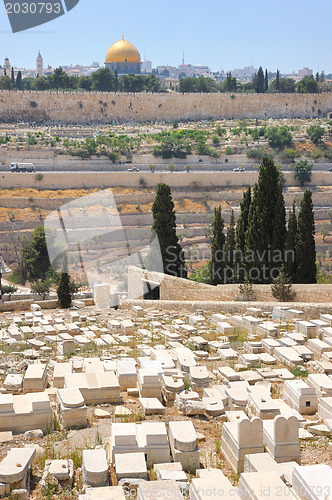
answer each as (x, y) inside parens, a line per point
(24, 305)
(179, 289)
(189, 290)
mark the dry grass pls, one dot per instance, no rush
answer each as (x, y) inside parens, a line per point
(21, 214)
(60, 193)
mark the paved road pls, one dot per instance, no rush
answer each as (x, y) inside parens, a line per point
(220, 167)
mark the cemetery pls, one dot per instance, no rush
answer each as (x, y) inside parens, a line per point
(144, 402)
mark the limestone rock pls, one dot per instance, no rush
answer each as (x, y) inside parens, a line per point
(193, 408)
(99, 413)
(36, 433)
(121, 411)
(20, 494)
(48, 484)
(200, 436)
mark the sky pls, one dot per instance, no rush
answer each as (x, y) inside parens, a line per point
(222, 34)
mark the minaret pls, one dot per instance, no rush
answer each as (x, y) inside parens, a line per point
(39, 65)
(7, 67)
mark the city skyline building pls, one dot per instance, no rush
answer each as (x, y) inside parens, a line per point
(39, 65)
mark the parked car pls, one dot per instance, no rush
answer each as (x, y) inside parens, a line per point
(330, 169)
(239, 169)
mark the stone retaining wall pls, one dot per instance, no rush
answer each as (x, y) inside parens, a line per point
(179, 289)
(195, 180)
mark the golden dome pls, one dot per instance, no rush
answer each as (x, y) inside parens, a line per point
(122, 51)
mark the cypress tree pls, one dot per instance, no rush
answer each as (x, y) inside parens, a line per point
(266, 82)
(291, 239)
(13, 77)
(241, 229)
(242, 223)
(305, 244)
(64, 289)
(35, 256)
(217, 264)
(164, 227)
(19, 80)
(278, 80)
(230, 247)
(260, 81)
(266, 233)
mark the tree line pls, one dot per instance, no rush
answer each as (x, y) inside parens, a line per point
(262, 82)
(102, 80)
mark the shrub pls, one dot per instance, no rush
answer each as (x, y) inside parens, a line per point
(41, 288)
(113, 156)
(315, 133)
(299, 371)
(17, 276)
(215, 140)
(328, 153)
(278, 137)
(316, 154)
(172, 148)
(257, 132)
(303, 171)
(290, 154)
(220, 130)
(282, 287)
(39, 177)
(246, 290)
(203, 149)
(256, 153)
(229, 150)
(8, 289)
(202, 274)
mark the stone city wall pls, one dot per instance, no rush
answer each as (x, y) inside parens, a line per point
(106, 107)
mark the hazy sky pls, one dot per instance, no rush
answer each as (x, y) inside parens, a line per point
(222, 34)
